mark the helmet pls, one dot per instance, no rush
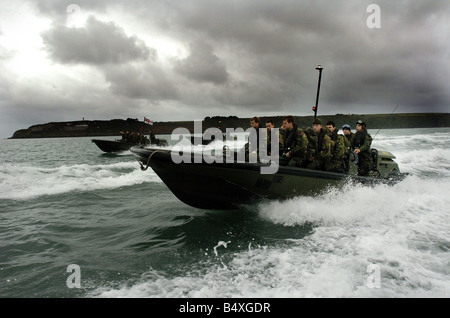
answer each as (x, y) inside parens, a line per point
(347, 126)
(360, 122)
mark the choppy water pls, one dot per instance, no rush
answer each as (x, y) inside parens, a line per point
(63, 202)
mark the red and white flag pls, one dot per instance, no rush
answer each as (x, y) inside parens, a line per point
(148, 121)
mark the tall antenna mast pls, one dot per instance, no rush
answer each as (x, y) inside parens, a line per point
(320, 69)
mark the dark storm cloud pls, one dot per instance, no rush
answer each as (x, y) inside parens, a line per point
(203, 65)
(140, 82)
(96, 43)
(279, 44)
(262, 54)
(249, 57)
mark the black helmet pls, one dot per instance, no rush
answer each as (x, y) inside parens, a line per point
(360, 122)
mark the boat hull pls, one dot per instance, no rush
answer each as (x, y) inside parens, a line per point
(229, 185)
(112, 146)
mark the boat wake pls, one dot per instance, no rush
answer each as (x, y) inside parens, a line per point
(355, 229)
(21, 182)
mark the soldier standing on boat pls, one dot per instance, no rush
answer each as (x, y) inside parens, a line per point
(337, 162)
(152, 137)
(361, 146)
(324, 146)
(295, 143)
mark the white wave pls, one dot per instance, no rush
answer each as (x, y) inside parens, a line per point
(356, 203)
(23, 182)
(425, 161)
(402, 230)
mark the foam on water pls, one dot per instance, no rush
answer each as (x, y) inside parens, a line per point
(403, 230)
(20, 182)
(419, 154)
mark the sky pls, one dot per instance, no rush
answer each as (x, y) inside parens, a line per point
(171, 60)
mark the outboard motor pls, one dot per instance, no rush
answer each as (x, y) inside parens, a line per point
(384, 164)
(374, 164)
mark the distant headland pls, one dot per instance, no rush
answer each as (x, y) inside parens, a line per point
(113, 127)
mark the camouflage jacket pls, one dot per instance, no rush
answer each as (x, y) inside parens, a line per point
(295, 142)
(347, 141)
(362, 140)
(349, 138)
(325, 144)
(340, 148)
(340, 145)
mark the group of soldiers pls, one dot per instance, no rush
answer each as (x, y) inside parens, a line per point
(320, 147)
(133, 137)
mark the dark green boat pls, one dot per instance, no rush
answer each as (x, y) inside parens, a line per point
(112, 146)
(223, 186)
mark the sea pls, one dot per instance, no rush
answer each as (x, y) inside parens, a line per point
(76, 222)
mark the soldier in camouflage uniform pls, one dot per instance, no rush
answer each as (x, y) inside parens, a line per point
(269, 126)
(361, 146)
(324, 146)
(295, 143)
(337, 162)
(347, 130)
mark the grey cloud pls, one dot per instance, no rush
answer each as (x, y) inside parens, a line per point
(250, 57)
(203, 65)
(145, 81)
(277, 45)
(97, 43)
(60, 9)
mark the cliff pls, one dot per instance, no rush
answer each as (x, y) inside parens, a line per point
(113, 127)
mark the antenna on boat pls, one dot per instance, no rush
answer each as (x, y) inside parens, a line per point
(320, 69)
(380, 128)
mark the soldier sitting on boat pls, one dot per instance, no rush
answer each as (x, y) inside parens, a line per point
(295, 143)
(339, 151)
(125, 135)
(269, 126)
(325, 145)
(133, 137)
(252, 146)
(347, 130)
(361, 146)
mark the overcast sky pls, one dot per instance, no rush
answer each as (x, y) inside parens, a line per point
(184, 60)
